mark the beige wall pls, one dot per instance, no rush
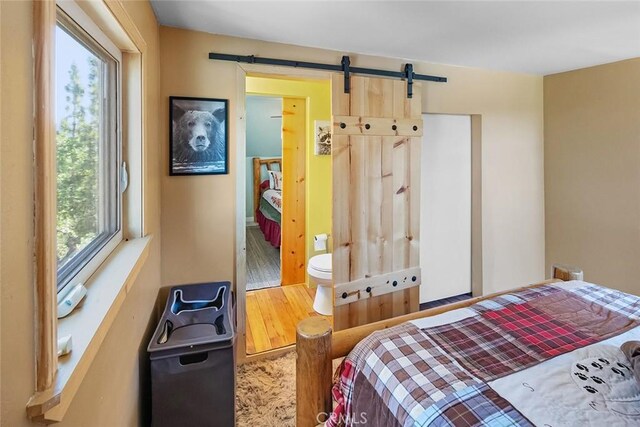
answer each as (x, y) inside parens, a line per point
(592, 172)
(198, 212)
(109, 395)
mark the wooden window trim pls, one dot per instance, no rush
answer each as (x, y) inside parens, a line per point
(54, 389)
(109, 288)
(44, 13)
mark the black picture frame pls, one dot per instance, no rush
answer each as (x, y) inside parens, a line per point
(198, 136)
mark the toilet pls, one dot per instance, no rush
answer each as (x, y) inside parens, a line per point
(319, 270)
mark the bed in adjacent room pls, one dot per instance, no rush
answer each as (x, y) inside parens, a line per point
(554, 354)
(267, 197)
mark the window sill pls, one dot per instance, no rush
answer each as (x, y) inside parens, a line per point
(88, 325)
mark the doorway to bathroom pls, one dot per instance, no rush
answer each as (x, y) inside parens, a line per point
(264, 191)
(276, 170)
(287, 203)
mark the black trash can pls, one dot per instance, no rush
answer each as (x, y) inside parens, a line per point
(193, 360)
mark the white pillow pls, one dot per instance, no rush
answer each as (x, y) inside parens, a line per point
(275, 180)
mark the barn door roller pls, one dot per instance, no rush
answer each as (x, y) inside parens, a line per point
(345, 67)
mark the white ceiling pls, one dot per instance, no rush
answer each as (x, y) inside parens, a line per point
(531, 37)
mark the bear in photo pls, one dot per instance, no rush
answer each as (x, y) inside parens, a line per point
(198, 136)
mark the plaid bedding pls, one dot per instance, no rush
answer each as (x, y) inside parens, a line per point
(410, 372)
(477, 405)
(437, 376)
(506, 300)
(541, 332)
(484, 350)
(499, 342)
(619, 302)
(344, 379)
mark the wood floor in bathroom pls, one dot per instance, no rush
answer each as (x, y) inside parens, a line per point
(272, 316)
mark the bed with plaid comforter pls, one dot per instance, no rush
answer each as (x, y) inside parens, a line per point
(441, 375)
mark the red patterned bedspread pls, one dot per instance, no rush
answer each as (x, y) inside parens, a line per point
(270, 229)
(406, 376)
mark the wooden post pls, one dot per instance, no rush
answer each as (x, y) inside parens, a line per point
(313, 371)
(44, 22)
(257, 169)
(566, 272)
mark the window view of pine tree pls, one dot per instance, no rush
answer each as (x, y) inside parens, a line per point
(78, 130)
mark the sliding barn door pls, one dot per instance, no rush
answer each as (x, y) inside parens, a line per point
(376, 200)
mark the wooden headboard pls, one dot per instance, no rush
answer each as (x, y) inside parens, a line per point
(257, 176)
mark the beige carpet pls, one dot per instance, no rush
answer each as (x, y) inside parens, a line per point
(266, 392)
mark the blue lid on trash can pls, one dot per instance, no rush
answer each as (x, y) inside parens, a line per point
(195, 315)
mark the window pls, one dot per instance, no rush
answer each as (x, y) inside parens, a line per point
(90, 101)
(88, 149)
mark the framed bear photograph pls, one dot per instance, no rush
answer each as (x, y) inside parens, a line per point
(198, 136)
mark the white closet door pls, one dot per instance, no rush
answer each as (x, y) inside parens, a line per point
(445, 228)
